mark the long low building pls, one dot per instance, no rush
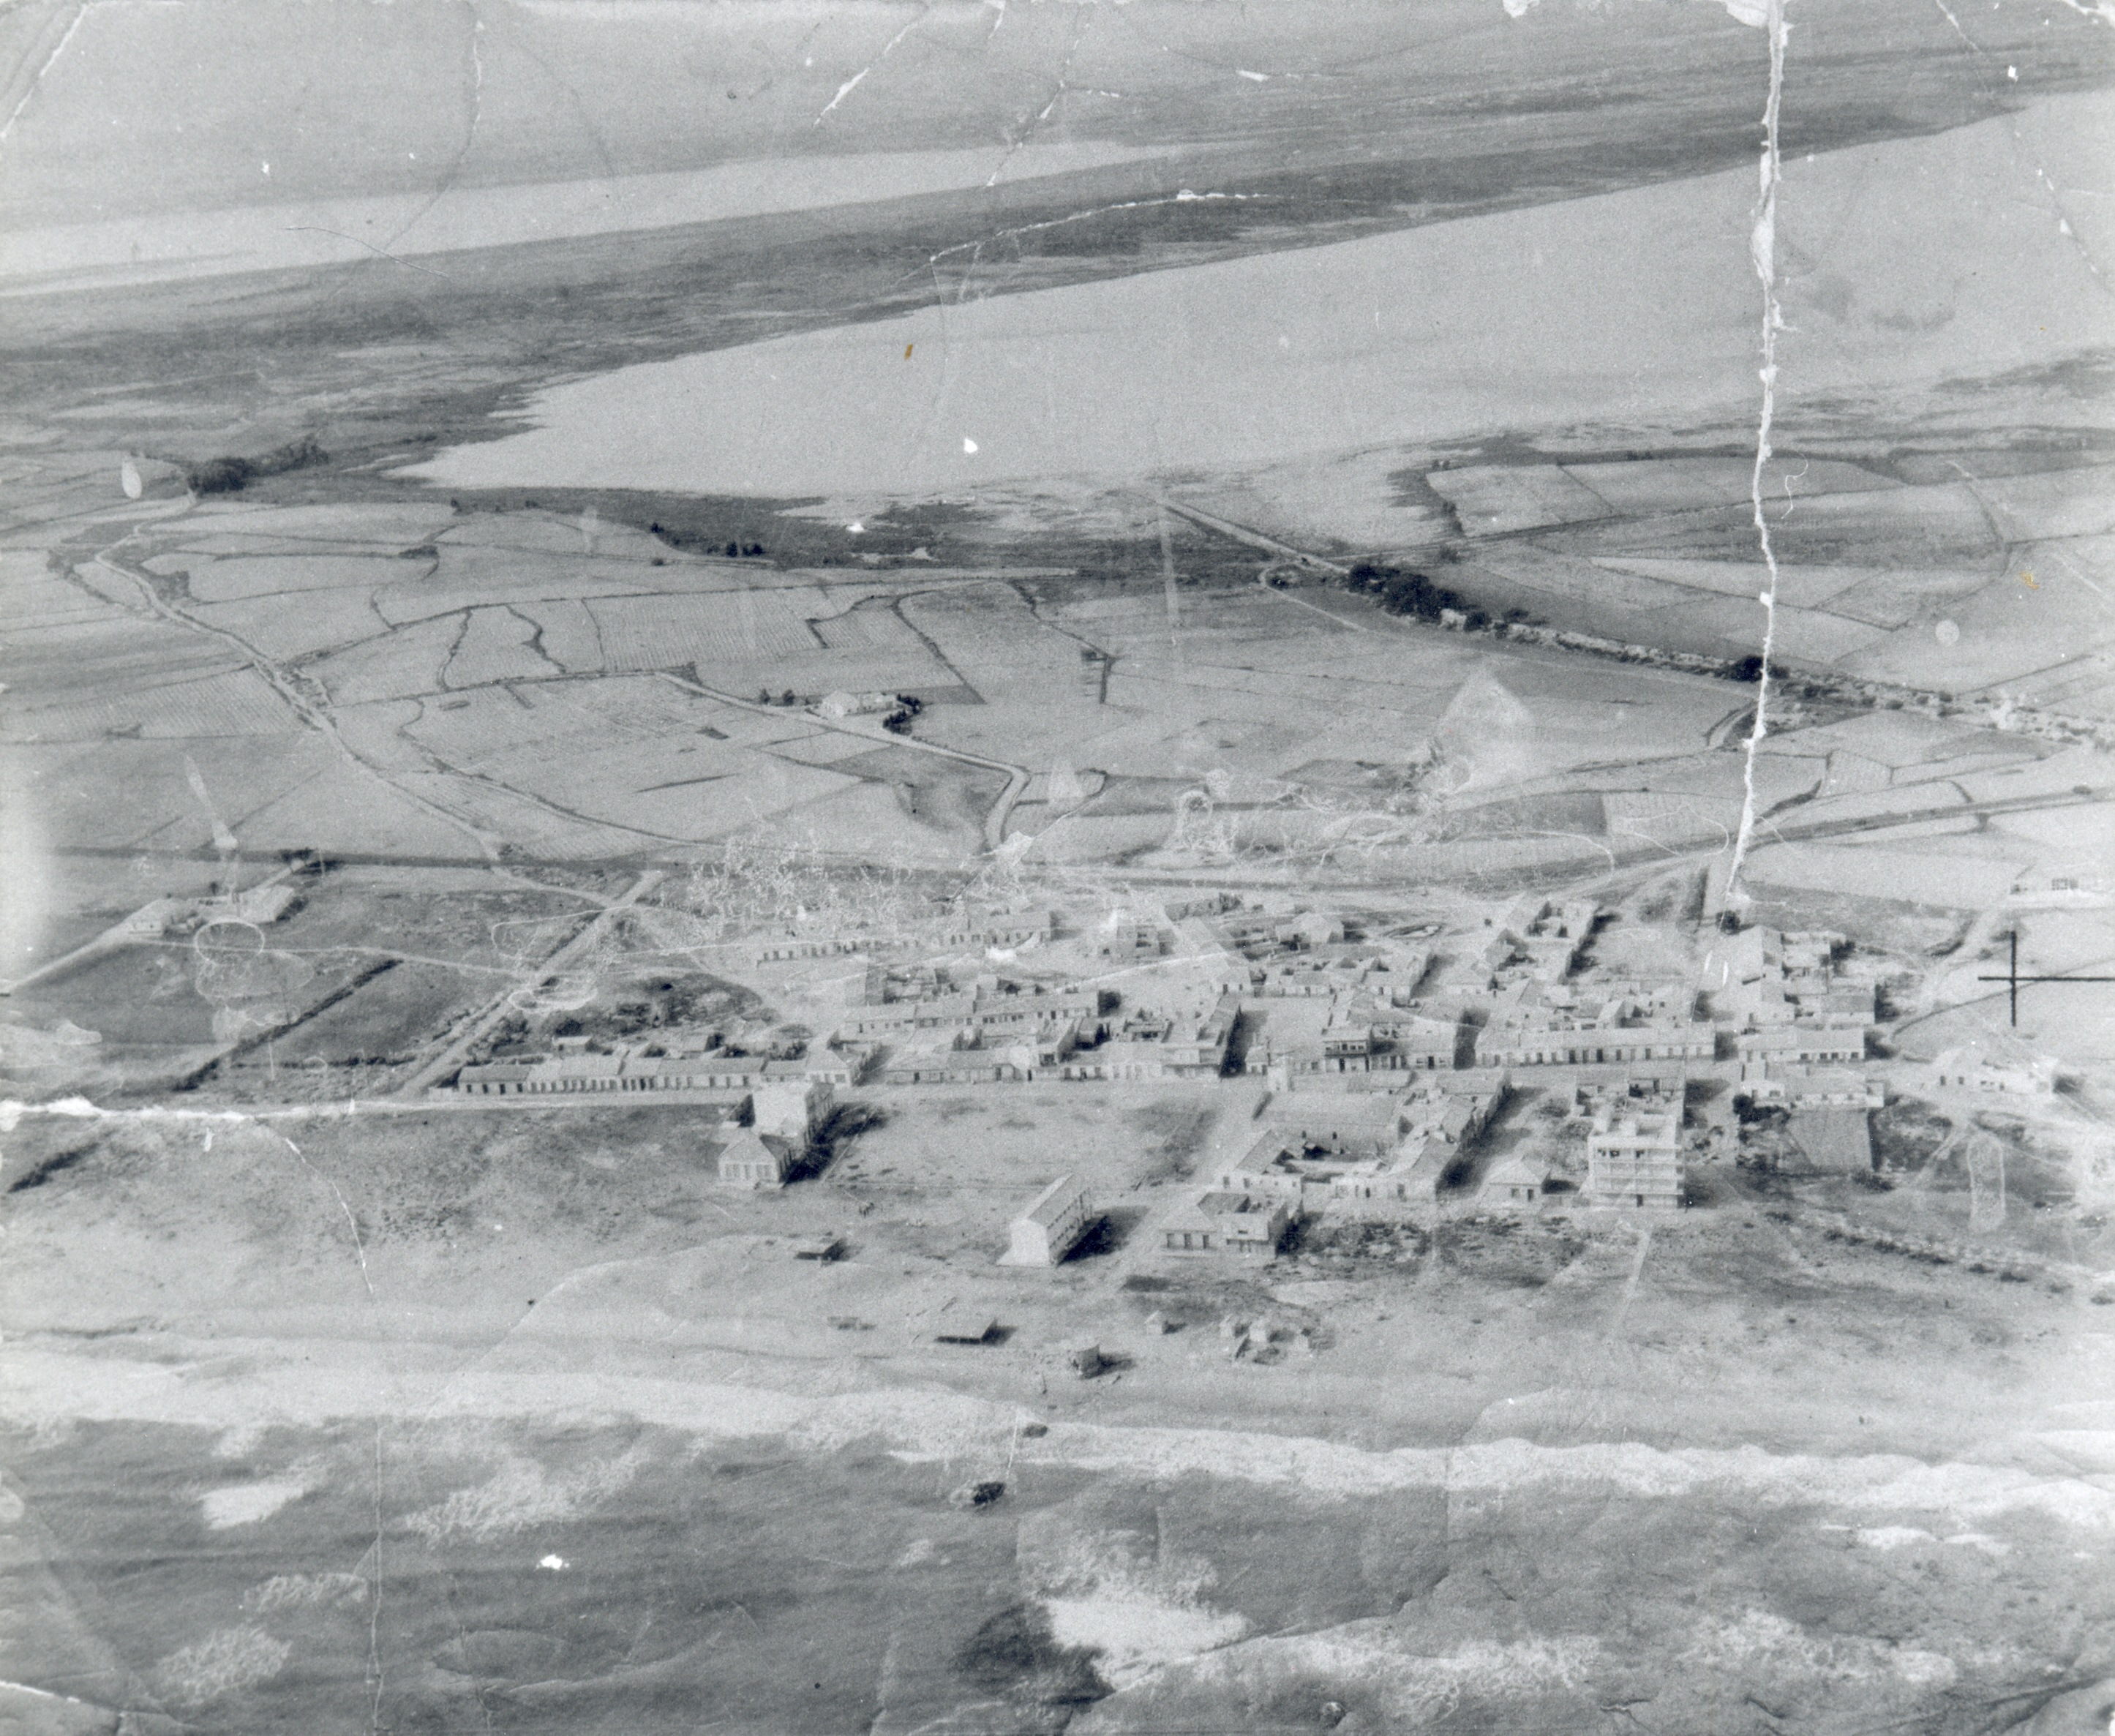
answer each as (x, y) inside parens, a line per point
(1565, 1044)
(1803, 1043)
(636, 1072)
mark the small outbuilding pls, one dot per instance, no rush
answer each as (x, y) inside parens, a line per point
(1521, 1179)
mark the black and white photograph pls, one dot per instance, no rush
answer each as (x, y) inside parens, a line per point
(1057, 867)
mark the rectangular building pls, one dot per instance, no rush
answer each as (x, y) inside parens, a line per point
(1238, 1226)
(1634, 1156)
(1055, 1224)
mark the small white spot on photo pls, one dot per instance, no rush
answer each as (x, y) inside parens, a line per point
(553, 1563)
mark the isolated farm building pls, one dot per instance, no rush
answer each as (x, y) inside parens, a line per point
(264, 904)
(841, 704)
(1521, 1179)
(1053, 1225)
(154, 920)
(1634, 1156)
(753, 1159)
(2074, 884)
(1238, 1226)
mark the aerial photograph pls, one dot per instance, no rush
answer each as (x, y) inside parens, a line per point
(1058, 867)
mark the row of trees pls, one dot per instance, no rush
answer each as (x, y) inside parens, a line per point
(1403, 592)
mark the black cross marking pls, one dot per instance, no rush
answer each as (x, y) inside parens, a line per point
(2012, 979)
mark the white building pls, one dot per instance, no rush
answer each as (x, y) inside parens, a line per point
(753, 1159)
(1052, 1226)
(1634, 1156)
(1238, 1225)
(2009, 1068)
(791, 1109)
(841, 704)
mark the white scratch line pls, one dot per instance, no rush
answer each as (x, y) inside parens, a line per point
(374, 1672)
(358, 1247)
(1183, 198)
(398, 259)
(2104, 10)
(1762, 248)
(1630, 1285)
(51, 59)
(852, 84)
(1057, 96)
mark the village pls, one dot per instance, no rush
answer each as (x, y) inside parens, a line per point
(1383, 1067)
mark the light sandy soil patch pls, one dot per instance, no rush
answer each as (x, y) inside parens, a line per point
(232, 580)
(323, 622)
(1949, 882)
(1676, 485)
(1495, 500)
(238, 703)
(390, 664)
(1382, 328)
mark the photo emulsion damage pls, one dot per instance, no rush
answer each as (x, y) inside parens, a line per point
(1000, 867)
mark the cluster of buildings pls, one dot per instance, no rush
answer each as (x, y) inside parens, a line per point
(1386, 1065)
(997, 1028)
(1413, 1082)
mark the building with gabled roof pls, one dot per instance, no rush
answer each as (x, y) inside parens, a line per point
(1055, 1223)
(1521, 1179)
(1240, 1225)
(748, 1159)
